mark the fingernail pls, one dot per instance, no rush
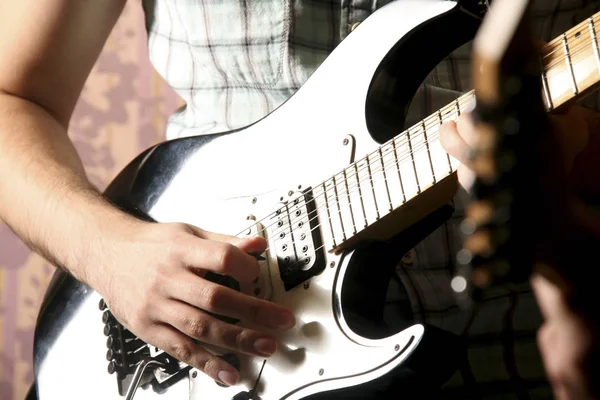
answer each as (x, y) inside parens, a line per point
(265, 346)
(284, 320)
(228, 377)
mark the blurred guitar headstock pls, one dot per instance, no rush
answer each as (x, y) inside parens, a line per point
(510, 201)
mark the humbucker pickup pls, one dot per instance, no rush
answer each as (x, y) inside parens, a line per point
(295, 239)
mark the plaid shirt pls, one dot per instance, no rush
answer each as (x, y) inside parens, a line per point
(234, 61)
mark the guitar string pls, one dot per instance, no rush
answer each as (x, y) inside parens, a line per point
(557, 43)
(279, 241)
(385, 152)
(574, 45)
(386, 167)
(382, 172)
(389, 166)
(575, 48)
(354, 181)
(301, 259)
(428, 126)
(584, 46)
(323, 245)
(582, 25)
(331, 198)
(417, 148)
(561, 64)
(390, 145)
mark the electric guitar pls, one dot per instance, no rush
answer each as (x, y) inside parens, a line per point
(339, 192)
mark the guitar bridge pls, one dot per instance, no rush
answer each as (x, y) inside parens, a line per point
(133, 361)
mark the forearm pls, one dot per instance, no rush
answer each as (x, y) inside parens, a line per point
(45, 196)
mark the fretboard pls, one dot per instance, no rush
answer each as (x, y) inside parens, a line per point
(571, 64)
(398, 171)
(401, 169)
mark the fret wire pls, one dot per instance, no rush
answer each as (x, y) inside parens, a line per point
(578, 52)
(569, 64)
(328, 214)
(372, 187)
(412, 158)
(554, 45)
(557, 44)
(468, 97)
(545, 87)
(457, 107)
(337, 201)
(349, 202)
(362, 203)
(370, 171)
(428, 151)
(387, 189)
(398, 169)
(595, 41)
(441, 120)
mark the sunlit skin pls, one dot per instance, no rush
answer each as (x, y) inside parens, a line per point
(161, 291)
(151, 275)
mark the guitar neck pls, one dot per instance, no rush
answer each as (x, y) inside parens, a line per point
(404, 167)
(571, 64)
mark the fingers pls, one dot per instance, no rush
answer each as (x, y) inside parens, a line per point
(253, 245)
(199, 325)
(549, 295)
(221, 300)
(223, 258)
(164, 300)
(453, 143)
(565, 374)
(458, 138)
(183, 348)
(466, 177)
(566, 342)
(466, 129)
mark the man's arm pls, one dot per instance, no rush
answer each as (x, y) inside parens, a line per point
(47, 49)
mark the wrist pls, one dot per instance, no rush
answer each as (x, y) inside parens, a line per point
(99, 231)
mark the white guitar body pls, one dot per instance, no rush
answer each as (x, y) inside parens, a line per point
(225, 183)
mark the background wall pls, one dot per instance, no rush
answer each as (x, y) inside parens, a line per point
(122, 111)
